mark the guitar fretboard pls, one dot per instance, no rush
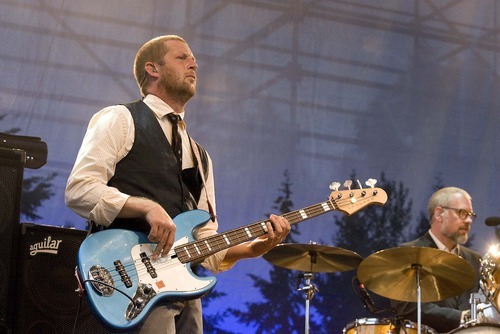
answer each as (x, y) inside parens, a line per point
(197, 250)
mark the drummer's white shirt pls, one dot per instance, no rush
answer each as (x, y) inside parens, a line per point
(442, 247)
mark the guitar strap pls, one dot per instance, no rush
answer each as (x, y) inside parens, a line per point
(196, 151)
(93, 227)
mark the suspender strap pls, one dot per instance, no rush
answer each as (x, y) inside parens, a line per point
(197, 155)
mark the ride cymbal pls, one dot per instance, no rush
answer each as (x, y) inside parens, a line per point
(392, 273)
(313, 258)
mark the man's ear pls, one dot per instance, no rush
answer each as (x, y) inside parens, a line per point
(150, 68)
(438, 213)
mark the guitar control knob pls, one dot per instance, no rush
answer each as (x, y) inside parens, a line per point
(147, 289)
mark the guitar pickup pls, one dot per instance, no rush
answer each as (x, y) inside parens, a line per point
(123, 273)
(149, 267)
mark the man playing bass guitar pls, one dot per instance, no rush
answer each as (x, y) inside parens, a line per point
(137, 169)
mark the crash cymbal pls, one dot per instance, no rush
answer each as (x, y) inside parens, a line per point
(392, 273)
(313, 258)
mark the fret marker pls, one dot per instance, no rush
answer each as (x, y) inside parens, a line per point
(303, 214)
(248, 232)
(325, 206)
(187, 251)
(227, 240)
(197, 249)
(264, 227)
(208, 245)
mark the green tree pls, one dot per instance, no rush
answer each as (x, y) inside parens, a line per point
(36, 190)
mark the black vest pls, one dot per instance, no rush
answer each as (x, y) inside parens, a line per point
(151, 170)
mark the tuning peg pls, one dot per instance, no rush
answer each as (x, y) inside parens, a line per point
(335, 186)
(371, 183)
(348, 184)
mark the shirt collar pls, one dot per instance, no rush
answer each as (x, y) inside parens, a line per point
(442, 247)
(159, 107)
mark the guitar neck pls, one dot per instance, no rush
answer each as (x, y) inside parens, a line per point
(347, 201)
(197, 250)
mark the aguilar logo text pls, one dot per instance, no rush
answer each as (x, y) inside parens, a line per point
(46, 246)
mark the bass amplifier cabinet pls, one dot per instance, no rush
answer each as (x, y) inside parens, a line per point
(46, 298)
(11, 178)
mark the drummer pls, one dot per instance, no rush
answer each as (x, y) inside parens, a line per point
(451, 217)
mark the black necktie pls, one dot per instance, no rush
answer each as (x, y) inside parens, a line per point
(176, 137)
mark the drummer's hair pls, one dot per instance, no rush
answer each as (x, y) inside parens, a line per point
(442, 197)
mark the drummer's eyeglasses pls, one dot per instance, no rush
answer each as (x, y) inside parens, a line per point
(463, 214)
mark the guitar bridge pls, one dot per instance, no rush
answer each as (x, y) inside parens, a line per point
(102, 280)
(142, 296)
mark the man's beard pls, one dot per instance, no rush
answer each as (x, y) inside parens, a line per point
(180, 89)
(458, 237)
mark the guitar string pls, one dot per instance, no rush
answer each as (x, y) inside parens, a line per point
(218, 241)
(238, 235)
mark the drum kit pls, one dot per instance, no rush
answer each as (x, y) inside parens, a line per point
(310, 259)
(408, 274)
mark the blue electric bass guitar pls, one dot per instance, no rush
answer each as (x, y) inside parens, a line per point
(122, 283)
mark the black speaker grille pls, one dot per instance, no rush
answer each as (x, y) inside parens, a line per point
(56, 293)
(11, 177)
(47, 300)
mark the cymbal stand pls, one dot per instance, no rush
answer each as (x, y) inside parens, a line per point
(474, 300)
(417, 269)
(309, 289)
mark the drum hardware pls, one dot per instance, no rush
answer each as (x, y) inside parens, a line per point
(485, 313)
(477, 329)
(418, 268)
(484, 305)
(311, 258)
(475, 299)
(365, 297)
(416, 274)
(481, 318)
(309, 289)
(490, 276)
(396, 325)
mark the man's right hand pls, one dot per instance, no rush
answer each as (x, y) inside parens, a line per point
(162, 226)
(162, 230)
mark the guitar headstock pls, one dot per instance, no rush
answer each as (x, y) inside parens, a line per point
(351, 200)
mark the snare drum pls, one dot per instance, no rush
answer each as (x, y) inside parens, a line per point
(490, 276)
(477, 329)
(384, 326)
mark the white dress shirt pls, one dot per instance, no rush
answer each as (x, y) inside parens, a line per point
(109, 138)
